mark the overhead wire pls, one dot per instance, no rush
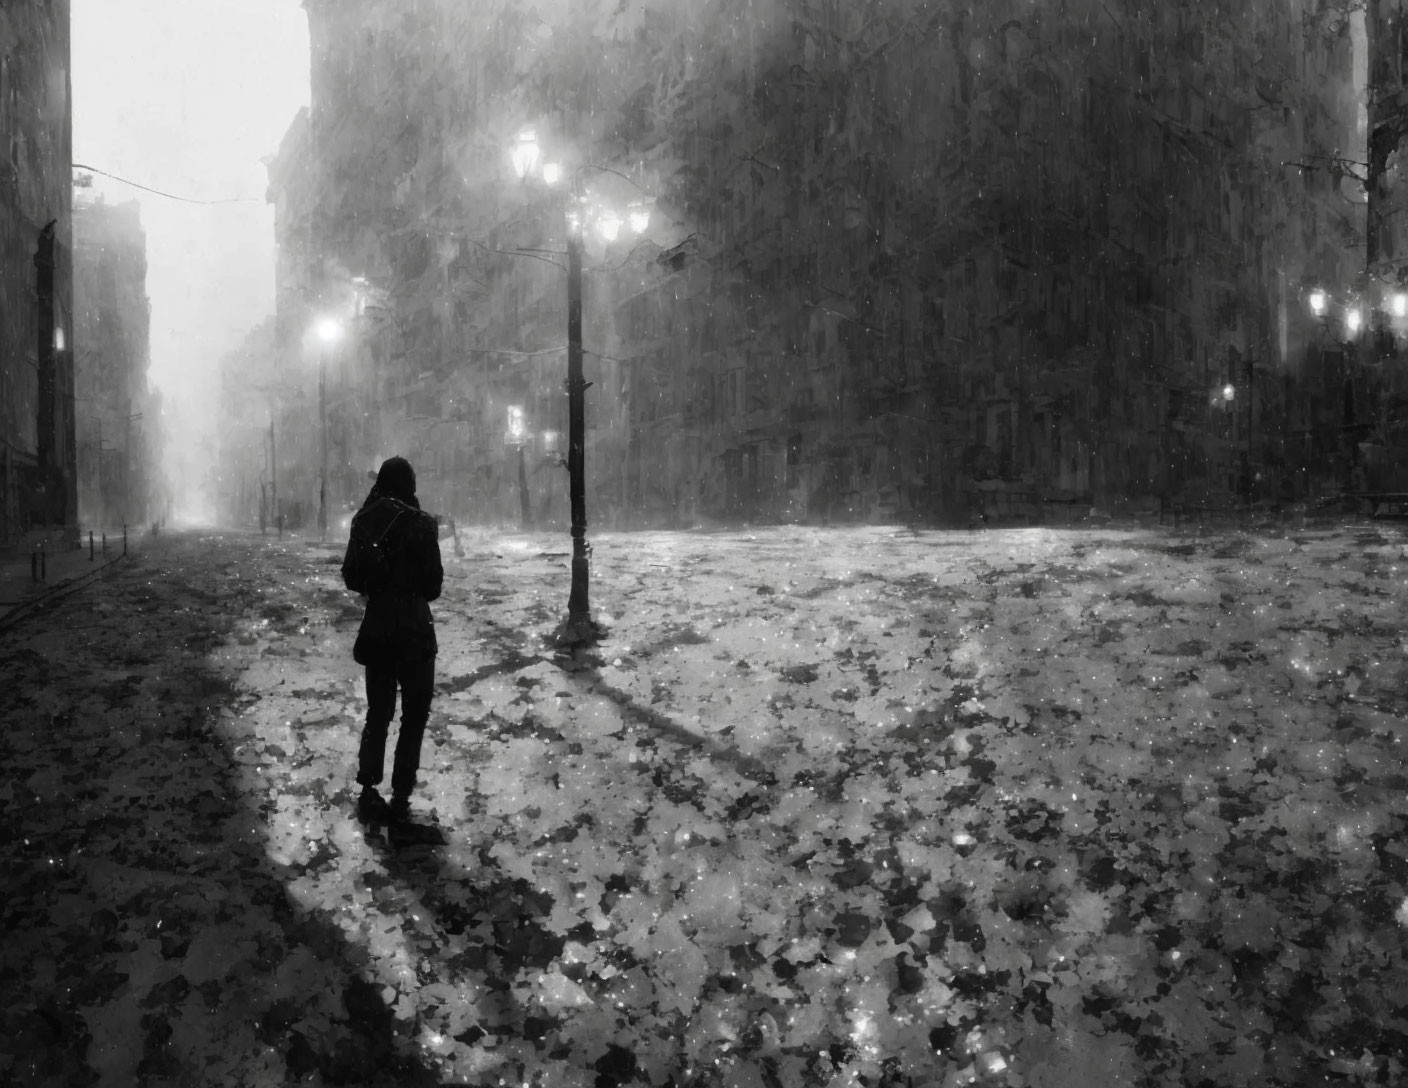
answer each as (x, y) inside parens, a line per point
(161, 192)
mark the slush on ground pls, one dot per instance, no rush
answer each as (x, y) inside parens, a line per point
(831, 807)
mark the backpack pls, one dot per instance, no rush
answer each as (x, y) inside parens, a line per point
(367, 565)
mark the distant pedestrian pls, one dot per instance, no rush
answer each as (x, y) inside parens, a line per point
(393, 559)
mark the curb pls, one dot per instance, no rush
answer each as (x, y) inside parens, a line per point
(22, 611)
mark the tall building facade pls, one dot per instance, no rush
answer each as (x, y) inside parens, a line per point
(116, 420)
(1376, 374)
(398, 221)
(258, 400)
(922, 261)
(996, 260)
(37, 441)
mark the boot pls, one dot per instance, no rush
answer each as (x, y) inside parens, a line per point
(403, 831)
(372, 807)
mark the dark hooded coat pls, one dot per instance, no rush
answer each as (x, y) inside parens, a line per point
(402, 579)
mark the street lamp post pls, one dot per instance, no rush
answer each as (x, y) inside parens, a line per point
(579, 619)
(1343, 327)
(328, 332)
(128, 499)
(274, 476)
(518, 437)
(579, 627)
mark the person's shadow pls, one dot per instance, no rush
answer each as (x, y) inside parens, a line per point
(150, 936)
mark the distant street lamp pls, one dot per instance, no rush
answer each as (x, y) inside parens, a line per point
(518, 436)
(328, 332)
(1341, 330)
(274, 475)
(579, 627)
(525, 153)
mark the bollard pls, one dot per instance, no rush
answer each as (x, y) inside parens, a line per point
(90, 545)
(34, 565)
(43, 563)
(105, 545)
(124, 539)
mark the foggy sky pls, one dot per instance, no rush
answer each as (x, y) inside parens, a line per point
(187, 96)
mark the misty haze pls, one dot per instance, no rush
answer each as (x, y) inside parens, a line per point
(692, 543)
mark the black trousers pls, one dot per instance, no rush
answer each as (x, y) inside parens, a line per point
(416, 679)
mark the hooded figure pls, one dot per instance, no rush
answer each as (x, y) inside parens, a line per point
(393, 559)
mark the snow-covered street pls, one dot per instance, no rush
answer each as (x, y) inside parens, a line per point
(861, 806)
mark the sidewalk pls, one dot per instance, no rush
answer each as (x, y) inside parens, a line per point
(32, 574)
(41, 569)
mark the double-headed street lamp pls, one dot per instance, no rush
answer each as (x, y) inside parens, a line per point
(1376, 317)
(328, 332)
(579, 627)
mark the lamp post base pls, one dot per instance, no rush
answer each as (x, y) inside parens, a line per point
(579, 629)
(577, 632)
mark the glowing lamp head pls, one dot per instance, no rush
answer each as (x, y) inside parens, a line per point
(610, 227)
(1399, 304)
(552, 173)
(1352, 320)
(639, 218)
(1229, 392)
(1318, 302)
(525, 153)
(328, 330)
